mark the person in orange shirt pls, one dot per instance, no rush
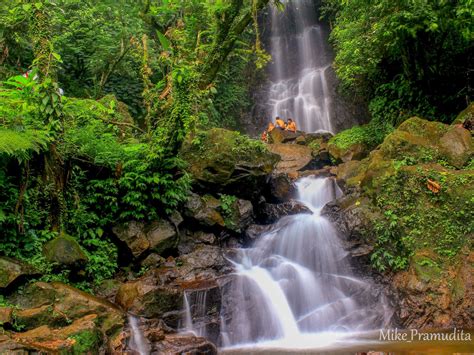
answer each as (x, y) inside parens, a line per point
(280, 123)
(291, 126)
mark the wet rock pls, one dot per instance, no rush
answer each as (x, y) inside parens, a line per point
(204, 210)
(280, 136)
(65, 250)
(144, 297)
(139, 238)
(184, 344)
(225, 161)
(239, 215)
(293, 156)
(160, 290)
(38, 305)
(255, 230)
(272, 212)
(282, 188)
(12, 269)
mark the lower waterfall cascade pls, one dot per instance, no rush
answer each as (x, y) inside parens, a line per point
(294, 287)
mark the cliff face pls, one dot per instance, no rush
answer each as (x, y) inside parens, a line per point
(408, 212)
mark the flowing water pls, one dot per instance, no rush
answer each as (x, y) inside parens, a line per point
(195, 309)
(294, 287)
(301, 60)
(137, 343)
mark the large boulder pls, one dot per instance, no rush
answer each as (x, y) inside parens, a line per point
(157, 236)
(280, 136)
(56, 304)
(293, 157)
(80, 337)
(425, 141)
(159, 292)
(12, 270)
(66, 251)
(226, 161)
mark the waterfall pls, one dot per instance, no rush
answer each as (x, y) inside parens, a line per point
(299, 87)
(137, 343)
(295, 284)
(195, 310)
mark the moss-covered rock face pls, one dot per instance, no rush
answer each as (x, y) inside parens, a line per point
(411, 201)
(57, 304)
(12, 269)
(226, 160)
(65, 250)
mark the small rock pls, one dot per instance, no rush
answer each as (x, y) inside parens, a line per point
(204, 210)
(133, 234)
(153, 260)
(272, 212)
(161, 235)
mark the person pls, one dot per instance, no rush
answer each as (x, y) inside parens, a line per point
(291, 126)
(265, 133)
(280, 123)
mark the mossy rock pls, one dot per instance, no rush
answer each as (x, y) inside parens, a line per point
(226, 160)
(467, 114)
(65, 250)
(12, 269)
(355, 151)
(56, 303)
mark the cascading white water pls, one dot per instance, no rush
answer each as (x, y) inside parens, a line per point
(137, 343)
(295, 284)
(299, 70)
(195, 306)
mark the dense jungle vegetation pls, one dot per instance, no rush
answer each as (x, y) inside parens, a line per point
(139, 76)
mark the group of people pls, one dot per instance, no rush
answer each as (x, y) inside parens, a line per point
(289, 125)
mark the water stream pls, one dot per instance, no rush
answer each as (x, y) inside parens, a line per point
(137, 343)
(300, 88)
(294, 287)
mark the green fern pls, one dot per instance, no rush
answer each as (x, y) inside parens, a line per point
(20, 144)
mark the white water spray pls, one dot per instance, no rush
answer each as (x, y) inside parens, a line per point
(294, 286)
(138, 343)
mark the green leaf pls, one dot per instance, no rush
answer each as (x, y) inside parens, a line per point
(165, 43)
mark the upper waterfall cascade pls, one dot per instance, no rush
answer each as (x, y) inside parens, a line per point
(300, 88)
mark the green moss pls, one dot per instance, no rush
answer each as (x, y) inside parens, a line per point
(417, 218)
(87, 341)
(371, 135)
